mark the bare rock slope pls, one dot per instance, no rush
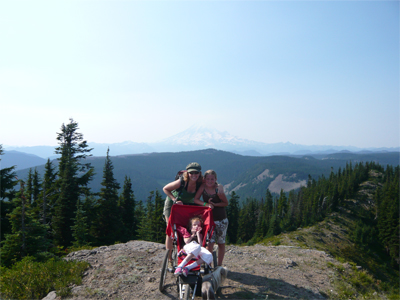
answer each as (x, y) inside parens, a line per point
(132, 271)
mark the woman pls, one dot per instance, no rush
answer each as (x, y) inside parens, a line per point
(176, 195)
(214, 195)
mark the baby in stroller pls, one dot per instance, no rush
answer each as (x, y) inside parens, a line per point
(193, 238)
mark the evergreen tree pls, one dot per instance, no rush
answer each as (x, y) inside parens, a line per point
(248, 217)
(268, 211)
(109, 221)
(48, 195)
(282, 205)
(146, 225)
(7, 183)
(80, 229)
(89, 211)
(36, 187)
(33, 187)
(388, 214)
(27, 236)
(73, 177)
(159, 225)
(233, 217)
(290, 219)
(274, 227)
(140, 217)
(7, 180)
(29, 186)
(127, 205)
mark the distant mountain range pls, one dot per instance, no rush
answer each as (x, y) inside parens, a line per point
(198, 138)
(248, 176)
(20, 160)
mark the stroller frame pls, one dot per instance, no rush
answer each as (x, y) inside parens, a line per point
(180, 216)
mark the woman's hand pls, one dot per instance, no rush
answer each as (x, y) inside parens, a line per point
(179, 202)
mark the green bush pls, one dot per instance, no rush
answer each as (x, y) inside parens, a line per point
(29, 279)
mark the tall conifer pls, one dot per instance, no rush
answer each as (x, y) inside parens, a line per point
(127, 206)
(27, 236)
(109, 221)
(80, 229)
(73, 177)
(233, 217)
(7, 184)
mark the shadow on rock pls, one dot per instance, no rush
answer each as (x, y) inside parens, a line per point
(265, 288)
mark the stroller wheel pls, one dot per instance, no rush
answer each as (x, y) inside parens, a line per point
(164, 270)
(185, 291)
(215, 263)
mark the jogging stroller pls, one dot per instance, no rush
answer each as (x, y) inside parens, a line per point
(180, 216)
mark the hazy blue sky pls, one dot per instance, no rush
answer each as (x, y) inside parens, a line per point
(312, 72)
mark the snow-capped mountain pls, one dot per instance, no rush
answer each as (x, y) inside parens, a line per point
(200, 136)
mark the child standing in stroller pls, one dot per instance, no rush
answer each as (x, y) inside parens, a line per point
(192, 247)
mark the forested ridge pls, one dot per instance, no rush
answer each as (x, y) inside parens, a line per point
(50, 215)
(151, 171)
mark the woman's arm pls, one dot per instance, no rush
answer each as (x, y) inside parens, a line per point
(171, 187)
(198, 195)
(222, 197)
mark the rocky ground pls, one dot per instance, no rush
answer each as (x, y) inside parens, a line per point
(132, 271)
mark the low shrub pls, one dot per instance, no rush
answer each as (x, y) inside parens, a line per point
(29, 279)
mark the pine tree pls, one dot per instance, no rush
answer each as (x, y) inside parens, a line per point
(109, 221)
(27, 236)
(48, 195)
(388, 214)
(290, 218)
(268, 211)
(233, 217)
(89, 211)
(35, 190)
(7, 180)
(7, 184)
(274, 227)
(248, 217)
(73, 177)
(36, 187)
(282, 205)
(127, 205)
(29, 186)
(146, 225)
(80, 229)
(159, 221)
(140, 217)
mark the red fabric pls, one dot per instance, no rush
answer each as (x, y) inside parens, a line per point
(181, 214)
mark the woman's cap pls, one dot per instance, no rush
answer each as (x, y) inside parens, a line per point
(193, 167)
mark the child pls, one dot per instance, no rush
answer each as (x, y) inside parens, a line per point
(192, 248)
(213, 193)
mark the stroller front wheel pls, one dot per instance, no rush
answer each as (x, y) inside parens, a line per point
(164, 270)
(185, 291)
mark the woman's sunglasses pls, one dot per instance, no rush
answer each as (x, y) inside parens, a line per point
(194, 173)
